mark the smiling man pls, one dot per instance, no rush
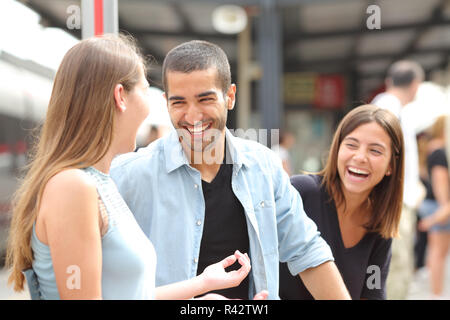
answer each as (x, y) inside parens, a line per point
(198, 110)
(200, 193)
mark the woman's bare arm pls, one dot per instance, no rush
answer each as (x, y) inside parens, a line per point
(69, 213)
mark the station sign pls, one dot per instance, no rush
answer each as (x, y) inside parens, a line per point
(322, 91)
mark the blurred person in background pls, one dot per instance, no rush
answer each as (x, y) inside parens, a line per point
(402, 82)
(68, 215)
(356, 202)
(287, 141)
(157, 124)
(435, 209)
(420, 244)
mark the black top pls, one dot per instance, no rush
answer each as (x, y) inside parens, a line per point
(436, 158)
(363, 267)
(224, 229)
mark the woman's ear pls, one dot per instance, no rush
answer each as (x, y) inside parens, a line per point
(389, 171)
(119, 97)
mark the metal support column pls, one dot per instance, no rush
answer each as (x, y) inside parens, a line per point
(270, 53)
(244, 78)
(99, 17)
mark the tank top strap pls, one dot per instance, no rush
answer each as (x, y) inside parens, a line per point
(109, 196)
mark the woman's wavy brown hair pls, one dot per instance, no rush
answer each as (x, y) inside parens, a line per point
(77, 131)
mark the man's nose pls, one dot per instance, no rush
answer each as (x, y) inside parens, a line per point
(193, 114)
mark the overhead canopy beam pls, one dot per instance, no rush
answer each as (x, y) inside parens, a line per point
(362, 25)
(356, 59)
(50, 20)
(293, 37)
(186, 24)
(421, 30)
(277, 3)
(354, 87)
(296, 37)
(185, 33)
(154, 52)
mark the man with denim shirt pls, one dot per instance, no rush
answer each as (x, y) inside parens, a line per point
(199, 191)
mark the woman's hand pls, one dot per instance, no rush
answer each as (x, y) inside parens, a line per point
(440, 216)
(426, 223)
(214, 277)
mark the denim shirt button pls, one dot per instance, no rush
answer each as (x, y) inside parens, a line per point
(199, 222)
(195, 186)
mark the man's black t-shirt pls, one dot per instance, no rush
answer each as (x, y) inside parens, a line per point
(363, 267)
(224, 229)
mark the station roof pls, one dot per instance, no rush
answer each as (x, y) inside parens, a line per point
(319, 36)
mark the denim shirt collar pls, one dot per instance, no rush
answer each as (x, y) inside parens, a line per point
(175, 157)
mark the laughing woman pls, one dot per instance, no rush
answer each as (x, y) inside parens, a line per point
(356, 202)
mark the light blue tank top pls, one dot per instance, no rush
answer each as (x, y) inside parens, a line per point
(128, 256)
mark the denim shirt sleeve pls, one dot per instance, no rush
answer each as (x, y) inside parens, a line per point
(300, 243)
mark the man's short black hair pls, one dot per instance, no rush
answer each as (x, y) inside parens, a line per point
(403, 73)
(198, 55)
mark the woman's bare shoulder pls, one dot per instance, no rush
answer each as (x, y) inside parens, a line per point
(74, 181)
(70, 190)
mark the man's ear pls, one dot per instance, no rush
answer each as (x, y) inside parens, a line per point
(231, 96)
(119, 97)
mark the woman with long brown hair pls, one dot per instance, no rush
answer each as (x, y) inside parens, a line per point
(69, 224)
(356, 201)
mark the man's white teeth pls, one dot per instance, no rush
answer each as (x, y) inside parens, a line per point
(198, 129)
(358, 171)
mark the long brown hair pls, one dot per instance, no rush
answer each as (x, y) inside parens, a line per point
(387, 196)
(437, 129)
(77, 131)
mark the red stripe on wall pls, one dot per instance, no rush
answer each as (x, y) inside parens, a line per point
(98, 17)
